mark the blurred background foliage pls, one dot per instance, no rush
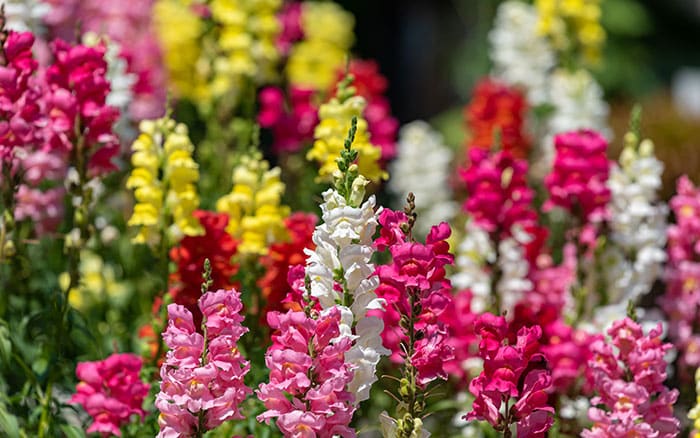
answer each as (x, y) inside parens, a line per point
(433, 52)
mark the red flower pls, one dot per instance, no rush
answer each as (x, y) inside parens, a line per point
(496, 106)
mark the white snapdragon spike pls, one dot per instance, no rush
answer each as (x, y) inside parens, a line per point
(513, 283)
(473, 256)
(26, 15)
(339, 266)
(422, 166)
(578, 103)
(520, 55)
(635, 254)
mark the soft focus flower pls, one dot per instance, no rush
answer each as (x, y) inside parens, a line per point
(163, 179)
(497, 107)
(110, 391)
(422, 166)
(291, 31)
(682, 297)
(335, 119)
(26, 15)
(328, 35)
(521, 57)
(512, 371)
(291, 128)
(202, 375)
(281, 257)
(632, 399)
(578, 181)
(128, 25)
(572, 26)
(694, 413)
(98, 283)
(309, 375)
(214, 244)
(256, 216)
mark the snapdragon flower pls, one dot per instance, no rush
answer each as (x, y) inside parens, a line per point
(422, 167)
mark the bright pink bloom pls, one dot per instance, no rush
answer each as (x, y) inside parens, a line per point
(292, 128)
(682, 296)
(577, 182)
(499, 196)
(202, 375)
(292, 30)
(518, 370)
(308, 376)
(111, 391)
(417, 269)
(630, 385)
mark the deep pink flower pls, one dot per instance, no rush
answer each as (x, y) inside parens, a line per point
(111, 391)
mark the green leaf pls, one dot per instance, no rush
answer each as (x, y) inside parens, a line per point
(8, 423)
(5, 343)
(72, 431)
(625, 18)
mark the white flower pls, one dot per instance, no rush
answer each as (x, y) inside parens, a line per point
(473, 256)
(341, 276)
(422, 166)
(513, 282)
(120, 80)
(578, 103)
(520, 55)
(26, 15)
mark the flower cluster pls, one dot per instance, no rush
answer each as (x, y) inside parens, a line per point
(309, 376)
(634, 253)
(215, 245)
(512, 371)
(202, 376)
(682, 296)
(291, 128)
(422, 166)
(521, 57)
(497, 108)
(328, 35)
(572, 26)
(335, 119)
(127, 26)
(578, 180)
(282, 256)
(694, 413)
(26, 15)
(76, 96)
(415, 280)
(630, 385)
(163, 179)
(111, 391)
(256, 217)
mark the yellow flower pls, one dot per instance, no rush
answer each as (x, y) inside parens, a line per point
(163, 150)
(328, 31)
(694, 413)
(253, 206)
(335, 120)
(573, 25)
(98, 283)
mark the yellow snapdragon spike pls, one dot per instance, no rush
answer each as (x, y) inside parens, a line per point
(256, 216)
(335, 120)
(98, 283)
(328, 35)
(164, 179)
(573, 25)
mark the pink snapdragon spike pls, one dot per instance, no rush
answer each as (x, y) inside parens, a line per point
(202, 376)
(111, 392)
(499, 196)
(682, 296)
(577, 181)
(515, 375)
(307, 392)
(628, 376)
(76, 96)
(294, 127)
(421, 267)
(20, 93)
(289, 18)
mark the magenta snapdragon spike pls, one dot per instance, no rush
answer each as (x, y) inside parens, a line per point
(499, 196)
(309, 375)
(292, 128)
(628, 376)
(202, 376)
(682, 296)
(415, 267)
(512, 387)
(577, 182)
(76, 94)
(110, 391)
